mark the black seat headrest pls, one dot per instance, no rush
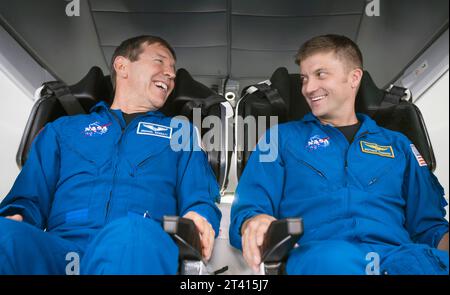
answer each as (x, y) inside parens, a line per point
(280, 80)
(398, 114)
(185, 87)
(94, 86)
(289, 87)
(369, 96)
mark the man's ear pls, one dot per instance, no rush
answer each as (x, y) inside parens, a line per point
(355, 77)
(121, 67)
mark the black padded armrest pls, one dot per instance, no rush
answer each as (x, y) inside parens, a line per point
(186, 236)
(280, 239)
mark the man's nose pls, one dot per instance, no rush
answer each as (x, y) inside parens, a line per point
(170, 72)
(309, 87)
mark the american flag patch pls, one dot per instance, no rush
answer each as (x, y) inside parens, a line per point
(418, 156)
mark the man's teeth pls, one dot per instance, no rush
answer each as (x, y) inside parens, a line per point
(316, 98)
(162, 85)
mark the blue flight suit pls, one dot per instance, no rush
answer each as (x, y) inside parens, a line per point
(369, 205)
(100, 189)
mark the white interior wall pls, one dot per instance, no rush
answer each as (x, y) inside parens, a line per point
(16, 106)
(434, 105)
(20, 75)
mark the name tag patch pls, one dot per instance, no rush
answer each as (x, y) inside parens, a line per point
(145, 128)
(376, 149)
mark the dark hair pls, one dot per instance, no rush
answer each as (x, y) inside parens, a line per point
(344, 48)
(132, 48)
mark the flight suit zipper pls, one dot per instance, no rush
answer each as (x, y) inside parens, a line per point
(122, 131)
(349, 146)
(348, 199)
(108, 204)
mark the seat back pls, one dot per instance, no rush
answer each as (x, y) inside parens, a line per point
(392, 111)
(388, 108)
(96, 87)
(190, 96)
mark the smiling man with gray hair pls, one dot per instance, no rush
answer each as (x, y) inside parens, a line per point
(96, 186)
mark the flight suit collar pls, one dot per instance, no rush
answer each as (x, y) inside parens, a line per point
(367, 124)
(103, 106)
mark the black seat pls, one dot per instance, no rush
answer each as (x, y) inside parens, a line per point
(388, 108)
(281, 96)
(93, 88)
(394, 110)
(59, 100)
(255, 102)
(189, 95)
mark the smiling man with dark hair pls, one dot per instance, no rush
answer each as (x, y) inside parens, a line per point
(363, 191)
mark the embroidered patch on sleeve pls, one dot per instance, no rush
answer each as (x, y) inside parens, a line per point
(380, 150)
(418, 156)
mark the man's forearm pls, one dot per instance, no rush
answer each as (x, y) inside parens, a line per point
(443, 244)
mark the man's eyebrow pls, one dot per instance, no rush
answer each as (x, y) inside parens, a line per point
(320, 70)
(161, 56)
(164, 57)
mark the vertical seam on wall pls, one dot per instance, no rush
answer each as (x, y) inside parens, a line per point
(360, 21)
(228, 16)
(96, 33)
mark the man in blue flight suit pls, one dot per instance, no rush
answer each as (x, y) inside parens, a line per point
(369, 203)
(95, 187)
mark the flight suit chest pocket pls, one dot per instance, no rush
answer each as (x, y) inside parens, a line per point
(305, 176)
(377, 165)
(154, 161)
(385, 173)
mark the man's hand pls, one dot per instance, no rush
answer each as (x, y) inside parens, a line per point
(443, 244)
(16, 217)
(253, 232)
(206, 232)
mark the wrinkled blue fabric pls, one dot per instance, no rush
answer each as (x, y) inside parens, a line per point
(85, 172)
(375, 194)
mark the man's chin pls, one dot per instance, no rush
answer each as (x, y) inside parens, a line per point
(318, 113)
(159, 103)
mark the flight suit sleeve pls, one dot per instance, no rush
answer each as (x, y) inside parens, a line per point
(197, 188)
(425, 202)
(260, 187)
(33, 190)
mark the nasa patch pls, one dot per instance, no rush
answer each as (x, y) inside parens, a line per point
(317, 141)
(96, 129)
